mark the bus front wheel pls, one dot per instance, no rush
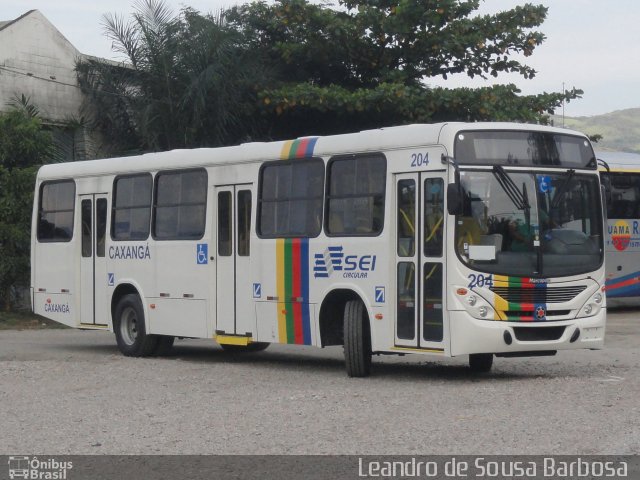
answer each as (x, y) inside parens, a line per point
(480, 362)
(357, 339)
(129, 327)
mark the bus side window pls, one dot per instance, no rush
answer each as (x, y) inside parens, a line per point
(131, 209)
(55, 211)
(180, 205)
(244, 222)
(225, 226)
(86, 227)
(625, 196)
(406, 218)
(355, 195)
(433, 216)
(290, 198)
(101, 226)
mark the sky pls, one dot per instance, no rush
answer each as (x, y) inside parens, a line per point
(591, 44)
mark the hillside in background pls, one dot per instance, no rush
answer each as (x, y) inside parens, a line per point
(620, 129)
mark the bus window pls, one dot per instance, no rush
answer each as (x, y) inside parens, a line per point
(406, 324)
(406, 218)
(244, 222)
(625, 196)
(131, 207)
(55, 212)
(225, 228)
(355, 198)
(180, 205)
(101, 226)
(432, 318)
(86, 228)
(433, 216)
(290, 199)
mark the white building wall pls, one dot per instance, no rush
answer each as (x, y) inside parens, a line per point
(38, 61)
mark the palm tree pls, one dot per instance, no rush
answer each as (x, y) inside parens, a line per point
(189, 80)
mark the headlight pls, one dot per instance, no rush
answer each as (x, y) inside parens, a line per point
(475, 304)
(593, 305)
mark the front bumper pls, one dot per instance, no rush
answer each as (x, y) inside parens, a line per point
(470, 335)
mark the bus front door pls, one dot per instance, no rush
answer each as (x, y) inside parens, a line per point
(234, 296)
(93, 268)
(419, 252)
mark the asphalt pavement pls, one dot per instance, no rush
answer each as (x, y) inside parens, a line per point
(72, 392)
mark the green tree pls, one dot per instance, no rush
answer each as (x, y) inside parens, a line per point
(24, 146)
(276, 70)
(368, 63)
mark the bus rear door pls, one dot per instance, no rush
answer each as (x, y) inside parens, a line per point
(234, 295)
(93, 268)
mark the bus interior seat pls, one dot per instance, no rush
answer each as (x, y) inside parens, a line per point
(470, 230)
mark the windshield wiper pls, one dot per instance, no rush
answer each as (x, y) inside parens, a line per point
(563, 189)
(519, 199)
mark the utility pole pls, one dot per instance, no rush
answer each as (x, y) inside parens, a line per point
(562, 104)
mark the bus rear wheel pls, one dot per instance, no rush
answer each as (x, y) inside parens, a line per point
(357, 340)
(480, 362)
(129, 327)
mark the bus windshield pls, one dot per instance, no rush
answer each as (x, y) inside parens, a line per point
(520, 223)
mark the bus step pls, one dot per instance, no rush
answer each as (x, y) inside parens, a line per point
(232, 340)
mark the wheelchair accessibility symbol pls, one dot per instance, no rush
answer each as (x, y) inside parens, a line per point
(202, 256)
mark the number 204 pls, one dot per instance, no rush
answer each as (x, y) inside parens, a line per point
(480, 281)
(419, 159)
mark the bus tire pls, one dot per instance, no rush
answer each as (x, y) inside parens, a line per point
(165, 344)
(252, 347)
(357, 339)
(480, 362)
(130, 330)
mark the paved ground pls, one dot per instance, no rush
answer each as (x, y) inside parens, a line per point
(71, 392)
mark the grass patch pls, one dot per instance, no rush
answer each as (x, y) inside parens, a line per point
(26, 321)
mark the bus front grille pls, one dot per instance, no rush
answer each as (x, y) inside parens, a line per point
(539, 295)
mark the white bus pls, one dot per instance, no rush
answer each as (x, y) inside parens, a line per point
(623, 228)
(449, 239)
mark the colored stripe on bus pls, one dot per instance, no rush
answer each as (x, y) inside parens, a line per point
(292, 270)
(300, 148)
(624, 286)
(502, 306)
(282, 319)
(294, 319)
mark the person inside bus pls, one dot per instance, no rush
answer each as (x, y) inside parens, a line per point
(521, 234)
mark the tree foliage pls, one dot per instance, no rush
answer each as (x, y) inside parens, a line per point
(291, 67)
(188, 81)
(24, 145)
(369, 63)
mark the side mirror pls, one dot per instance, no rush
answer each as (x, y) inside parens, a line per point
(454, 199)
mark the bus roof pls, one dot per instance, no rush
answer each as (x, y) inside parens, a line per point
(381, 139)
